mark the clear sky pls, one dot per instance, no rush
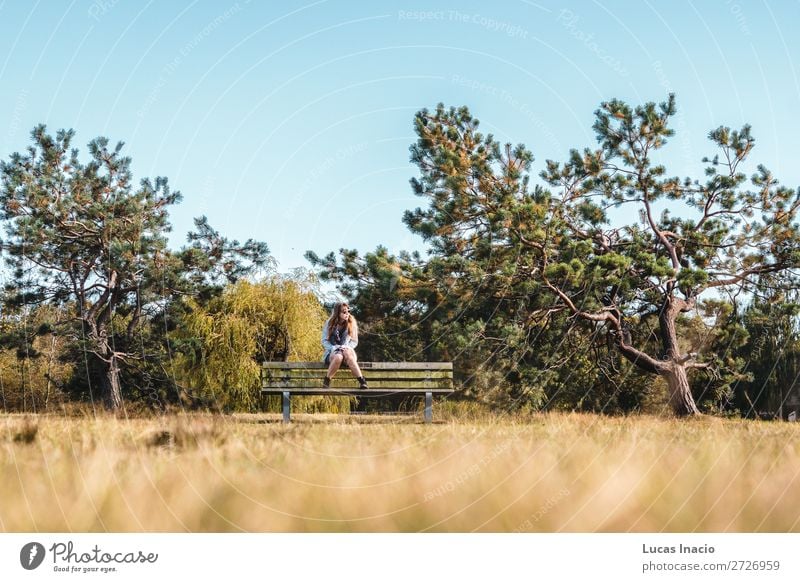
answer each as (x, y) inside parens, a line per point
(290, 122)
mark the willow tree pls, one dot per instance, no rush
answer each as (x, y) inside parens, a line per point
(692, 238)
(226, 339)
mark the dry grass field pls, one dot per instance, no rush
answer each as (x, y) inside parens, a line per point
(466, 472)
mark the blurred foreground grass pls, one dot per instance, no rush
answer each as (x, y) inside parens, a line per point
(469, 472)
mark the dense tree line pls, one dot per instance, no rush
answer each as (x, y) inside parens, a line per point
(543, 290)
(608, 286)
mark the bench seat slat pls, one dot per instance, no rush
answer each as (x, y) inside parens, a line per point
(363, 365)
(370, 374)
(313, 381)
(353, 384)
(356, 391)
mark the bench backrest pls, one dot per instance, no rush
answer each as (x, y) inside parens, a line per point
(399, 376)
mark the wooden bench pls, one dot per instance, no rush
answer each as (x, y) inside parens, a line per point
(384, 378)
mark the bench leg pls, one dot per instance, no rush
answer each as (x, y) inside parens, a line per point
(286, 407)
(428, 410)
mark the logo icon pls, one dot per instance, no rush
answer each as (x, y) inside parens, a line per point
(31, 555)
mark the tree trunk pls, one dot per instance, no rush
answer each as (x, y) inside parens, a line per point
(112, 390)
(106, 366)
(680, 395)
(674, 370)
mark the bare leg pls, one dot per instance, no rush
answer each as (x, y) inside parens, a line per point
(351, 361)
(335, 362)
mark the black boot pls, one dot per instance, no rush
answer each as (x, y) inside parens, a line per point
(326, 383)
(362, 383)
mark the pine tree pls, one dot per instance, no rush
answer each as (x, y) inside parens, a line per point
(83, 237)
(494, 234)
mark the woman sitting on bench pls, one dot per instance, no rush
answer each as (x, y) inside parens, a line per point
(339, 339)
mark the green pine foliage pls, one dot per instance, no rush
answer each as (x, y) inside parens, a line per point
(516, 269)
(771, 387)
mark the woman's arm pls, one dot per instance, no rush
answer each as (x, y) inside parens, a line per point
(352, 340)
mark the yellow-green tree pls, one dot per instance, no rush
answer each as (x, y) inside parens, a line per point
(278, 319)
(33, 369)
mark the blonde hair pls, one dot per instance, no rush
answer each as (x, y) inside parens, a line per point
(333, 322)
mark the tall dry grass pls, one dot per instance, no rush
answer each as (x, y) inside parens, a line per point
(470, 472)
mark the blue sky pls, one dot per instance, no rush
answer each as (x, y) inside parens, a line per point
(290, 122)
